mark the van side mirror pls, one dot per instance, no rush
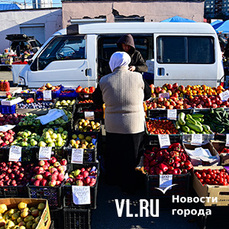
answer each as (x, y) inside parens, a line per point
(18, 50)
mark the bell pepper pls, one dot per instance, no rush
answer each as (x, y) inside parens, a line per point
(153, 163)
(176, 171)
(188, 165)
(183, 156)
(175, 146)
(158, 171)
(177, 164)
(163, 167)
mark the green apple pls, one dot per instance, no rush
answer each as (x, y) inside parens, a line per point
(74, 136)
(60, 130)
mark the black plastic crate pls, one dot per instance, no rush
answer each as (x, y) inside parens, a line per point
(52, 194)
(77, 218)
(90, 155)
(13, 191)
(67, 190)
(181, 188)
(57, 218)
(162, 113)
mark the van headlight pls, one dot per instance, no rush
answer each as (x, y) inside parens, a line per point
(21, 81)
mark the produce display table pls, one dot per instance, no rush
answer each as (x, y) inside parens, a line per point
(61, 159)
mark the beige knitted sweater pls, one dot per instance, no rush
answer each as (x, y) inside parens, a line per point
(123, 94)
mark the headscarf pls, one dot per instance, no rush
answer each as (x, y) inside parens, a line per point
(119, 59)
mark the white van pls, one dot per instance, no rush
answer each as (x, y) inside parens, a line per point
(186, 53)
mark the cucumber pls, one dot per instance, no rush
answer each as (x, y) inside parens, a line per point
(197, 128)
(181, 118)
(191, 132)
(190, 119)
(197, 115)
(185, 129)
(206, 128)
(177, 125)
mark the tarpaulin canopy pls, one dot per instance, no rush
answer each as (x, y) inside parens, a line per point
(177, 19)
(216, 24)
(223, 28)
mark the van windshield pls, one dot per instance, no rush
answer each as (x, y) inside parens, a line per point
(61, 48)
(185, 50)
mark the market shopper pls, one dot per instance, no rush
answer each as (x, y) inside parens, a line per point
(126, 43)
(123, 93)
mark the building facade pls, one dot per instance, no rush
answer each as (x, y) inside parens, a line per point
(78, 11)
(216, 9)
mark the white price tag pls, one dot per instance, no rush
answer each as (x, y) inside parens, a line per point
(45, 153)
(77, 156)
(165, 181)
(172, 114)
(15, 153)
(164, 95)
(164, 140)
(81, 194)
(196, 139)
(47, 95)
(227, 140)
(224, 95)
(89, 115)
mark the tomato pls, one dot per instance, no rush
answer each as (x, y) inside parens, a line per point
(208, 176)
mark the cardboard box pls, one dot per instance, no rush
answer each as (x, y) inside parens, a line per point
(219, 146)
(208, 146)
(45, 220)
(219, 191)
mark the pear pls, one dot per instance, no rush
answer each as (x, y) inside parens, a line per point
(3, 208)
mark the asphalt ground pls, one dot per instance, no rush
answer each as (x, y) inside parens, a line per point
(105, 216)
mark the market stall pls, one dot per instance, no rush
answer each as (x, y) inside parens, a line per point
(50, 148)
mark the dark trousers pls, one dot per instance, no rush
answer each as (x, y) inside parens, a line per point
(122, 155)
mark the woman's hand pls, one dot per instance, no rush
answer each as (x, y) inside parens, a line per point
(132, 68)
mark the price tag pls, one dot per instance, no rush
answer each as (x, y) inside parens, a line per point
(172, 114)
(89, 115)
(45, 153)
(164, 140)
(227, 140)
(164, 95)
(77, 156)
(165, 181)
(224, 95)
(47, 95)
(196, 139)
(81, 194)
(15, 153)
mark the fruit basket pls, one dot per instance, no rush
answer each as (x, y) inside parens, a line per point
(78, 170)
(55, 91)
(156, 127)
(39, 108)
(66, 103)
(88, 142)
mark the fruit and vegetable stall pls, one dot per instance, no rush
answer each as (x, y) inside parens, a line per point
(51, 142)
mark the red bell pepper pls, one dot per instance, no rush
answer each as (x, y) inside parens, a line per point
(163, 167)
(188, 165)
(175, 146)
(176, 171)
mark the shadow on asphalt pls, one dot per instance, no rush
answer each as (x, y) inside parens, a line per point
(106, 216)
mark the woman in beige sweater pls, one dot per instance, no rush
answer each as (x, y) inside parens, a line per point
(123, 93)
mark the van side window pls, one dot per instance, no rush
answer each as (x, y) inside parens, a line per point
(185, 50)
(61, 48)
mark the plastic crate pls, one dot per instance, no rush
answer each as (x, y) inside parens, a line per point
(67, 190)
(57, 218)
(181, 188)
(68, 93)
(4, 109)
(55, 94)
(70, 108)
(52, 194)
(77, 218)
(161, 113)
(13, 191)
